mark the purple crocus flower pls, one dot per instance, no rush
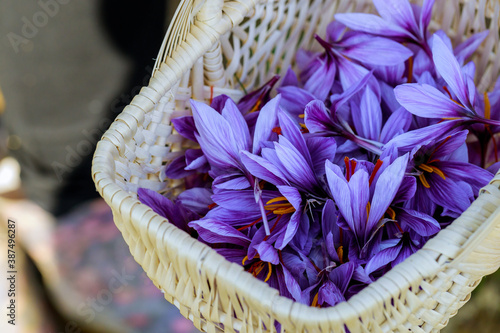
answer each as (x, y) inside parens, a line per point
(176, 212)
(398, 20)
(343, 53)
(364, 198)
(427, 101)
(444, 178)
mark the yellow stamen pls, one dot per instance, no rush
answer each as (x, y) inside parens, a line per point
(303, 125)
(487, 106)
(392, 213)
(276, 200)
(340, 253)
(315, 300)
(425, 167)
(438, 172)
(424, 181)
(244, 260)
(256, 106)
(453, 118)
(268, 273)
(302, 116)
(368, 207)
(281, 211)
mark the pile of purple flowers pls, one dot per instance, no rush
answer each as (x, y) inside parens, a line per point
(377, 143)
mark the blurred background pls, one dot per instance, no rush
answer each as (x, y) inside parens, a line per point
(67, 68)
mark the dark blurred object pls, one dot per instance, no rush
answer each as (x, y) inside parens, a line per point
(67, 69)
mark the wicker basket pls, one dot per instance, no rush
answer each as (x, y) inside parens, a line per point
(209, 45)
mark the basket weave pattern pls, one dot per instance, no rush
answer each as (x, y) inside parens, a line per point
(212, 47)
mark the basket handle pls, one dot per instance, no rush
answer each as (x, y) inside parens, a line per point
(204, 10)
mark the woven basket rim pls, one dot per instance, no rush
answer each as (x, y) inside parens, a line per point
(103, 175)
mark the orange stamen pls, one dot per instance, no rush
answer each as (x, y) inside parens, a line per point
(424, 181)
(425, 167)
(410, 70)
(211, 94)
(268, 273)
(212, 205)
(391, 213)
(375, 170)
(340, 253)
(438, 172)
(256, 107)
(487, 106)
(315, 301)
(277, 130)
(399, 227)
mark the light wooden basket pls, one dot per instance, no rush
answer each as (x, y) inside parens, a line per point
(211, 43)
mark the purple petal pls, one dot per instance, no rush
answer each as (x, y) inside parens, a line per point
(186, 127)
(372, 24)
(268, 119)
(339, 188)
(268, 253)
(321, 81)
(292, 285)
(213, 231)
(321, 149)
(351, 73)
(397, 11)
(243, 200)
(296, 167)
(294, 99)
(449, 145)
(449, 68)
(377, 51)
(383, 258)
(195, 159)
(426, 101)
(176, 168)
(425, 15)
(262, 168)
(367, 117)
(197, 199)
(219, 102)
(238, 124)
(447, 193)
(387, 186)
(292, 137)
(334, 31)
(292, 195)
(339, 100)
(232, 217)
(421, 223)
(473, 175)
(342, 275)
(290, 230)
(231, 181)
(330, 294)
(406, 189)
(398, 123)
(407, 141)
(467, 48)
(233, 255)
(360, 195)
(215, 137)
(290, 78)
(317, 117)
